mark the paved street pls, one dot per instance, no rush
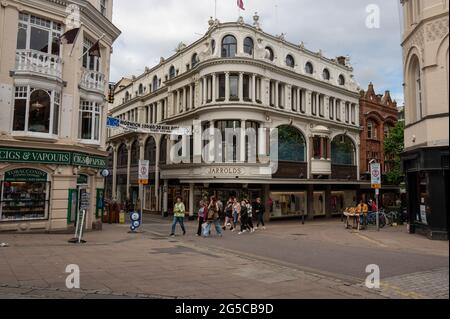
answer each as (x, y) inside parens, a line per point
(318, 260)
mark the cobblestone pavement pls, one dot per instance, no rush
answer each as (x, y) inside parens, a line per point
(150, 265)
(423, 285)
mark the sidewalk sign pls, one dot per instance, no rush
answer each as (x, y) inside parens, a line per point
(78, 237)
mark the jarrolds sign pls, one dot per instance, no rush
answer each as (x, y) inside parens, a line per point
(12, 155)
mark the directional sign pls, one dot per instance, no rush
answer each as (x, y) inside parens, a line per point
(144, 168)
(375, 172)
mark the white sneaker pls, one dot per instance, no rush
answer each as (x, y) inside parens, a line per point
(240, 233)
(264, 228)
(256, 228)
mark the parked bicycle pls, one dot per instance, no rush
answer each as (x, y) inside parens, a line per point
(372, 219)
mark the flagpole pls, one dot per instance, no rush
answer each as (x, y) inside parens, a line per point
(103, 35)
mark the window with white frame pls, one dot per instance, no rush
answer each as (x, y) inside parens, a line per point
(89, 122)
(90, 62)
(38, 34)
(36, 110)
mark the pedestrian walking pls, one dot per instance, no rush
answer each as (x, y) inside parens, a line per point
(250, 225)
(236, 212)
(213, 219)
(202, 216)
(229, 221)
(259, 210)
(179, 212)
(244, 218)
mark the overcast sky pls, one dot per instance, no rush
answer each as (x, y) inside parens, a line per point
(153, 28)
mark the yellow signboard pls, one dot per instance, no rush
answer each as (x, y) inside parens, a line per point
(376, 186)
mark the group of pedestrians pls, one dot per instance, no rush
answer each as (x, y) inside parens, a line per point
(234, 214)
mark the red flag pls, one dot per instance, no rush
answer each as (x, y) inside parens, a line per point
(240, 4)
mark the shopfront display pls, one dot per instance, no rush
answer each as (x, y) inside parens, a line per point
(288, 204)
(341, 200)
(25, 195)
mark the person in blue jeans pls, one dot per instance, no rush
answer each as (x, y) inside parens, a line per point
(236, 212)
(179, 212)
(213, 218)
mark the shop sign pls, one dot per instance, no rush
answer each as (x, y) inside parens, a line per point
(34, 156)
(25, 175)
(225, 171)
(114, 123)
(51, 157)
(79, 159)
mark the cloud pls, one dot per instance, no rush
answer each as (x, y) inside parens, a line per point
(153, 28)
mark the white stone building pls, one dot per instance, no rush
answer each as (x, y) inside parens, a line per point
(237, 76)
(52, 111)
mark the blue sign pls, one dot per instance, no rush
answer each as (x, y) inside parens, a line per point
(135, 221)
(112, 123)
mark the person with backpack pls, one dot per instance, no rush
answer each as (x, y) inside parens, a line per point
(179, 213)
(213, 218)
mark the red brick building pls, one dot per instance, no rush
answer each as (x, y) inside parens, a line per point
(378, 114)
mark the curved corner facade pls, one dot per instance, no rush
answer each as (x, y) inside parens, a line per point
(53, 109)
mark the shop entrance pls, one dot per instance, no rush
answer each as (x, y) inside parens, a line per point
(75, 199)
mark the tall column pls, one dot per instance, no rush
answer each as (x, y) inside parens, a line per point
(204, 97)
(191, 94)
(276, 102)
(114, 183)
(299, 100)
(165, 197)
(254, 88)
(241, 87)
(157, 172)
(128, 169)
(212, 143)
(191, 201)
(227, 86)
(141, 203)
(214, 87)
(242, 142)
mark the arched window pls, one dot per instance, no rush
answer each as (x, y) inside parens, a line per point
(387, 129)
(309, 69)
(229, 47)
(341, 80)
(213, 46)
(141, 89)
(292, 145)
(39, 112)
(269, 55)
(150, 150)
(343, 151)
(172, 72)
(248, 46)
(290, 62)
(155, 83)
(326, 74)
(372, 130)
(194, 60)
(415, 92)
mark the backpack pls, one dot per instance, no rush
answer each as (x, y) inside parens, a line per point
(213, 214)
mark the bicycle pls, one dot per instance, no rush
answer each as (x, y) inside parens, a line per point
(372, 219)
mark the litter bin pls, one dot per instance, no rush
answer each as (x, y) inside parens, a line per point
(122, 217)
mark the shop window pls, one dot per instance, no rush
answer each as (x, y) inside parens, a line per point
(234, 87)
(25, 195)
(90, 62)
(288, 204)
(43, 108)
(248, 46)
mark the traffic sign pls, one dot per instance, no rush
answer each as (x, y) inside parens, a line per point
(375, 172)
(144, 168)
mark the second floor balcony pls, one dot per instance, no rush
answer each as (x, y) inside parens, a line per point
(93, 81)
(38, 63)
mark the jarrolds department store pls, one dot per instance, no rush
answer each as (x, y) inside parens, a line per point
(40, 189)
